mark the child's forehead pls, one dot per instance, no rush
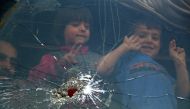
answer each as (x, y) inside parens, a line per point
(143, 27)
(79, 21)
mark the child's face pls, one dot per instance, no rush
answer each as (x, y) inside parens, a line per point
(149, 39)
(7, 56)
(76, 33)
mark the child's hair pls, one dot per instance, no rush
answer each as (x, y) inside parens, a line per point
(68, 14)
(149, 21)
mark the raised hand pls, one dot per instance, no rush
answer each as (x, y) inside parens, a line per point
(70, 57)
(177, 53)
(131, 43)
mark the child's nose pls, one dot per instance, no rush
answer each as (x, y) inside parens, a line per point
(148, 37)
(82, 27)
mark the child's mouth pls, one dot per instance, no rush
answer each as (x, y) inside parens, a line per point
(80, 40)
(80, 36)
(147, 47)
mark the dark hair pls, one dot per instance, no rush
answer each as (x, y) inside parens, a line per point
(148, 20)
(66, 15)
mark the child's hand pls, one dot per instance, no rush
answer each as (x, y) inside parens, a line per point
(177, 53)
(69, 58)
(132, 43)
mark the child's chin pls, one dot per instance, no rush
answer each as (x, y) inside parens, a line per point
(80, 41)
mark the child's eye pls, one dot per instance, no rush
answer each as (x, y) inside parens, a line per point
(141, 35)
(75, 24)
(87, 26)
(2, 57)
(156, 37)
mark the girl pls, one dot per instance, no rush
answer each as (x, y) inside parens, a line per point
(73, 30)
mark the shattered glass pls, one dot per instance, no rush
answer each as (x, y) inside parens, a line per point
(30, 27)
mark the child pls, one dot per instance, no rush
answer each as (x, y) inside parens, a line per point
(8, 55)
(74, 29)
(143, 82)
